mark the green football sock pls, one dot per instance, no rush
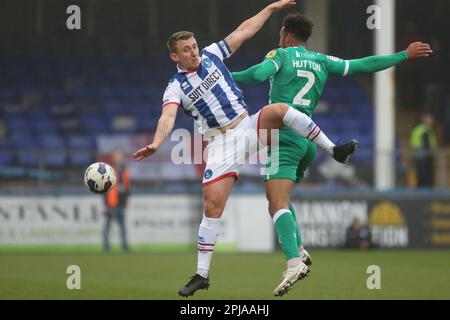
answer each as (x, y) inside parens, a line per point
(285, 227)
(299, 235)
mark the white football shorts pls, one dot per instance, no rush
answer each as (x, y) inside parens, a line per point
(229, 151)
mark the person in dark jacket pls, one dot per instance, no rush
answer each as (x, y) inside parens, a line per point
(116, 200)
(358, 236)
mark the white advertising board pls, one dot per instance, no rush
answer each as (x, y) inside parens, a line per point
(150, 219)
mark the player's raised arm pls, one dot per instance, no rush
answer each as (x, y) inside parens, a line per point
(251, 26)
(373, 64)
(256, 74)
(163, 130)
(262, 71)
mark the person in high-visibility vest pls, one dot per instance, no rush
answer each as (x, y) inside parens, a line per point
(423, 141)
(116, 200)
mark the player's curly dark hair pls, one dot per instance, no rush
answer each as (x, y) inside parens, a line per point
(298, 25)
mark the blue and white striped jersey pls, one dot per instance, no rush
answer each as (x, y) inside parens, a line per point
(209, 94)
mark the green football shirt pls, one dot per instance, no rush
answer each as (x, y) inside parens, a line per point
(301, 76)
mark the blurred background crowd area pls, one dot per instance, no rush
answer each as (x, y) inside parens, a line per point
(63, 91)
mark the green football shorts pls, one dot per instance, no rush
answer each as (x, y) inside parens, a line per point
(295, 154)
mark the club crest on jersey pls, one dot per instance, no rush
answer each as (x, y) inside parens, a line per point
(271, 54)
(208, 174)
(206, 62)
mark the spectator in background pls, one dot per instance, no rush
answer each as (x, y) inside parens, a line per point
(423, 141)
(116, 200)
(358, 236)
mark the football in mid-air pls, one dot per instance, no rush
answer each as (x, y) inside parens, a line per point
(100, 177)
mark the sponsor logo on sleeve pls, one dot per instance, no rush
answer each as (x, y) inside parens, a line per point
(271, 54)
(335, 59)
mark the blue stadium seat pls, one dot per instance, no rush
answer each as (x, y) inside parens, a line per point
(28, 157)
(349, 125)
(123, 124)
(112, 107)
(150, 123)
(96, 124)
(6, 156)
(70, 125)
(36, 109)
(50, 141)
(366, 125)
(44, 124)
(58, 110)
(105, 93)
(81, 157)
(47, 77)
(366, 141)
(130, 93)
(364, 108)
(23, 140)
(80, 94)
(81, 142)
(153, 92)
(55, 158)
(18, 122)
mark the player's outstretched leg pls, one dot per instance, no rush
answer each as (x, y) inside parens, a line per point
(278, 115)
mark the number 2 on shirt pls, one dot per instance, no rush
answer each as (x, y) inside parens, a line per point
(298, 99)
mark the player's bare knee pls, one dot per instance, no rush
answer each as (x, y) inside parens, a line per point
(282, 108)
(274, 208)
(277, 110)
(276, 203)
(213, 208)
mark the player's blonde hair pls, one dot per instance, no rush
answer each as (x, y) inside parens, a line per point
(177, 36)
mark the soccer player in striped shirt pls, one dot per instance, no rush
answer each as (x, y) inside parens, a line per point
(297, 77)
(206, 91)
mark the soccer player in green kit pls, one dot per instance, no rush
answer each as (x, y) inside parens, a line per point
(297, 77)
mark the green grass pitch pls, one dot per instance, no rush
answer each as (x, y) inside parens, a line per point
(156, 275)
